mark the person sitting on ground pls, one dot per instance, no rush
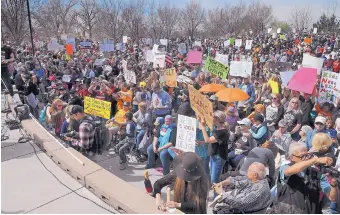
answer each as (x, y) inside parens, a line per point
(303, 132)
(259, 130)
(140, 117)
(128, 141)
(163, 140)
(319, 126)
(243, 194)
(190, 185)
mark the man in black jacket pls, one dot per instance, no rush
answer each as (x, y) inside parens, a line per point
(185, 107)
(306, 107)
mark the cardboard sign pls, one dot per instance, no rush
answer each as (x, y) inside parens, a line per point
(286, 76)
(182, 48)
(303, 80)
(224, 59)
(130, 77)
(308, 40)
(312, 62)
(97, 107)
(169, 76)
(278, 31)
(201, 105)
(240, 68)
(164, 42)
(69, 49)
(315, 30)
(329, 88)
(216, 68)
(238, 42)
(186, 133)
(194, 57)
(125, 39)
(248, 44)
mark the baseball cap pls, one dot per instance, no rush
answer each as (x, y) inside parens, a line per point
(159, 120)
(76, 109)
(320, 119)
(259, 117)
(244, 121)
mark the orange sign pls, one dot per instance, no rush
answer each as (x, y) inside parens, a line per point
(69, 49)
(308, 40)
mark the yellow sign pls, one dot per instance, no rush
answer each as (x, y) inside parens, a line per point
(67, 57)
(97, 107)
(201, 105)
(169, 76)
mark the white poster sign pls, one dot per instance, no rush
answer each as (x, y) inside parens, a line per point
(124, 65)
(238, 42)
(54, 40)
(164, 42)
(226, 43)
(312, 62)
(274, 35)
(66, 78)
(222, 59)
(269, 30)
(186, 133)
(197, 43)
(63, 36)
(130, 76)
(248, 44)
(329, 89)
(240, 68)
(182, 48)
(155, 48)
(278, 31)
(149, 56)
(125, 39)
(159, 59)
(315, 30)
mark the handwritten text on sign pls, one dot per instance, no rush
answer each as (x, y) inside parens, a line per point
(169, 76)
(186, 133)
(201, 105)
(217, 68)
(97, 107)
(329, 87)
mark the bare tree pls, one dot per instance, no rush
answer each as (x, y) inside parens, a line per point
(233, 17)
(88, 15)
(258, 16)
(192, 17)
(14, 21)
(213, 25)
(55, 17)
(134, 15)
(301, 18)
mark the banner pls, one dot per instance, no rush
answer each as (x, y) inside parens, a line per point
(97, 107)
(194, 57)
(238, 42)
(329, 88)
(224, 59)
(130, 77)
(248, 44)
(201, 105)
(240, 68)
(169, 77)
(312, 62)
(186, 133)
(182, 48)
(216, 68)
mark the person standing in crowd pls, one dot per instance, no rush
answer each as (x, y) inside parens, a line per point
(185, 108)
(7, 57)
(161, 101)
(216, 105)
(190, 185)
(293, 116)
(319, 126)
(274, 113)
(307, 105)
(248, 88)
(217, 144)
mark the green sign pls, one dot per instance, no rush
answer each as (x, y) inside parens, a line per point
(216, 68)
(231, 41)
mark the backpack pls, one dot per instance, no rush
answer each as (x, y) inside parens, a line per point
(42, 116)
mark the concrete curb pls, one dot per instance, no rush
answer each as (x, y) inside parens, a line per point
(122, 196)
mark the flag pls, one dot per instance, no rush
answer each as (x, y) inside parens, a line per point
(147, 182)
(168, 58)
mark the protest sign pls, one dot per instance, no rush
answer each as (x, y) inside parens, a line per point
(125, 38)
(164, 42)
(124, 65)
(308, 40)
(231, 41)
(201, 105)
(53, 47)
(186, 133)
(40, 73)
(315, 30)
(169, 76)
(155, 48)
(194, 57)
(303, 80)
(98, 62)
(69, 49)
(148, 41)
(269, 30)
(85, 45)
(312, 62)
(67, 57)
(39, 44)
(130, 77)
(120, 46)
(159, 59)
(197, 43)
(274, 35)
(222, 58)
(283, 37)
(97, 107)
(66, 78)
(278, 31)
(182, 48)
(149, 56)
(238, 42)
(54, 40)
(248, 44)
(63, 36)
(240, 68)
(216, 68)
(107, 46)
(286, 76)
(183, 79)
(329, 88)
(226, 43)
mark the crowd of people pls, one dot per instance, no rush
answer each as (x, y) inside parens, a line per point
(276, 152)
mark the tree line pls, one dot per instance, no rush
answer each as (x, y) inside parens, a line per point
(149, 19)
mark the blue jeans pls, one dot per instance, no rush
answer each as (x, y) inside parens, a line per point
(216, 167)
(164, 156)
(140, 137)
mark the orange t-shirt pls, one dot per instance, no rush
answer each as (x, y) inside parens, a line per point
(336, 66)
(124, 98)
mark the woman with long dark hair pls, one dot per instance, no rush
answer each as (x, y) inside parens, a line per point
(190, 185)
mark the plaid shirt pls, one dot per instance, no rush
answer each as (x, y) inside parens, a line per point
(86, 135)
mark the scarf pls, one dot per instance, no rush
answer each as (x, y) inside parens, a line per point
(164, 136)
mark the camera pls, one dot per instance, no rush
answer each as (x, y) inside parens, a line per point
(71, 134)
(329, 170)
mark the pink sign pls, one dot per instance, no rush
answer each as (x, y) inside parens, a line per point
(303, 80)
(194, 57)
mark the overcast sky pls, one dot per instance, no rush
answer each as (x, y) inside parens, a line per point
(281, 8)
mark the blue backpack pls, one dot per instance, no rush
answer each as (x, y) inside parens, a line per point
(42, 116)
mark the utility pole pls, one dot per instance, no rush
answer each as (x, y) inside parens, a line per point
(30, 25)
